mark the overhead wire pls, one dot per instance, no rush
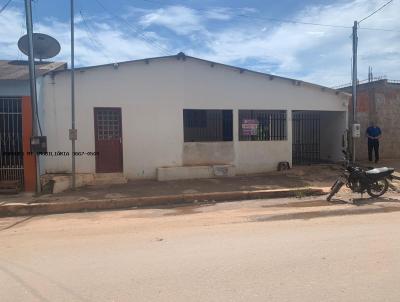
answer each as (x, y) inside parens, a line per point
(377, 10)
(5, 6)
(89, 33)
(141, 36)
(92, 37)
(289, 21)
(22, 31)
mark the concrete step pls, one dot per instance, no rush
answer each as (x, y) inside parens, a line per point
(109, 178)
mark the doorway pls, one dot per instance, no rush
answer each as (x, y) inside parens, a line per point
(306, 137)
(108, 140)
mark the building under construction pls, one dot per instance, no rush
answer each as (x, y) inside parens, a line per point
(378, 101)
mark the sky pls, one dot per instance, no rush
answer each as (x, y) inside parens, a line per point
(249, 34)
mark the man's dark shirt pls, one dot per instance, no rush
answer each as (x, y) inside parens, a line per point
(374, 132)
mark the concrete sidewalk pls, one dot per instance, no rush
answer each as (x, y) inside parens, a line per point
(297, 182)
(300, 181)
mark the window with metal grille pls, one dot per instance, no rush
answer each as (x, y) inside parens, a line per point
(262, 125)
(201, 125)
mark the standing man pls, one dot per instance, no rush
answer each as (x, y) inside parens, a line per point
(373, 134)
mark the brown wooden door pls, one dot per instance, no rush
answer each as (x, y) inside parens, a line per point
(108, 139)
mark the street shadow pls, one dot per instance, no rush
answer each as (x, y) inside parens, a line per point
(24, 284)
(76, 296)
(372, 201)
(185, 209)
(16, 223)
(307, 204)
(323, 214)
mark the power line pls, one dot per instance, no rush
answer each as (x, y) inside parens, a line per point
(374, 12)
(260, 18)
(286, 20)
(5, 6)
(314, 24)
(293, 21)
(92, 36)
(136, 31)
(380, 29)
(21, 34)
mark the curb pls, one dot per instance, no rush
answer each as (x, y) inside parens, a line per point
(22, 209)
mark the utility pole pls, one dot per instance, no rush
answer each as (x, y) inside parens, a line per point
(32, 82)
(354, 91)
(72, 132)
(356, 126)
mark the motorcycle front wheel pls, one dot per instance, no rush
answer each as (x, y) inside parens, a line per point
(378, 188)
(335, 188)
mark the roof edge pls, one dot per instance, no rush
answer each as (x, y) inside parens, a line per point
(183, 56)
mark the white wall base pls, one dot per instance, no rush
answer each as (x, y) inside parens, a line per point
(63, 182)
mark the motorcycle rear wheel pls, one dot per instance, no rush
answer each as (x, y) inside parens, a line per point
(335, 188)
(378, 188)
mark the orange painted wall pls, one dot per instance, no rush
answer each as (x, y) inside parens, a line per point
(29, 160)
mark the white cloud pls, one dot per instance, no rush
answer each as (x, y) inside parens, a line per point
(184, 20)
(219, 13)
(180, 19)
(11, 25)
(101, 43)
(317, 54)
(311, 53)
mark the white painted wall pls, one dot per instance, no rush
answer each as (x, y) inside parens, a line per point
(333, 127)
(152, 98)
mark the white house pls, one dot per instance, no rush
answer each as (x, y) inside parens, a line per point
(180, 116)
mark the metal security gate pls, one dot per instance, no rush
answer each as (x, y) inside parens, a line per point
(11, 151)
(306, 137)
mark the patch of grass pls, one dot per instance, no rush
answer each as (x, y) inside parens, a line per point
(301, 193)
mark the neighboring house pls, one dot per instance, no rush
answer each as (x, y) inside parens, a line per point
(378, 101)
(183, 117)
(16, 120)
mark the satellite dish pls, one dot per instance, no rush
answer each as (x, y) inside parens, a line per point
(44, 46)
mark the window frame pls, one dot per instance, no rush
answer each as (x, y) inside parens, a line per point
(217, 126)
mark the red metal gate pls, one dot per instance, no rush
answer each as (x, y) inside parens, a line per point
(108, 139)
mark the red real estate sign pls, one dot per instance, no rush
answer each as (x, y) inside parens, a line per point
(249, 127)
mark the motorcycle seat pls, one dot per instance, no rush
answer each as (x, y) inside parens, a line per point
(376, 171)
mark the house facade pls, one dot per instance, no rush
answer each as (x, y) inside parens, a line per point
(183, 117)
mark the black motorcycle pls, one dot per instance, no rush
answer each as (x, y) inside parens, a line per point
(374, 181)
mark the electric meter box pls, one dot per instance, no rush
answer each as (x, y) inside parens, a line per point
(356, 131)
(39, 144)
